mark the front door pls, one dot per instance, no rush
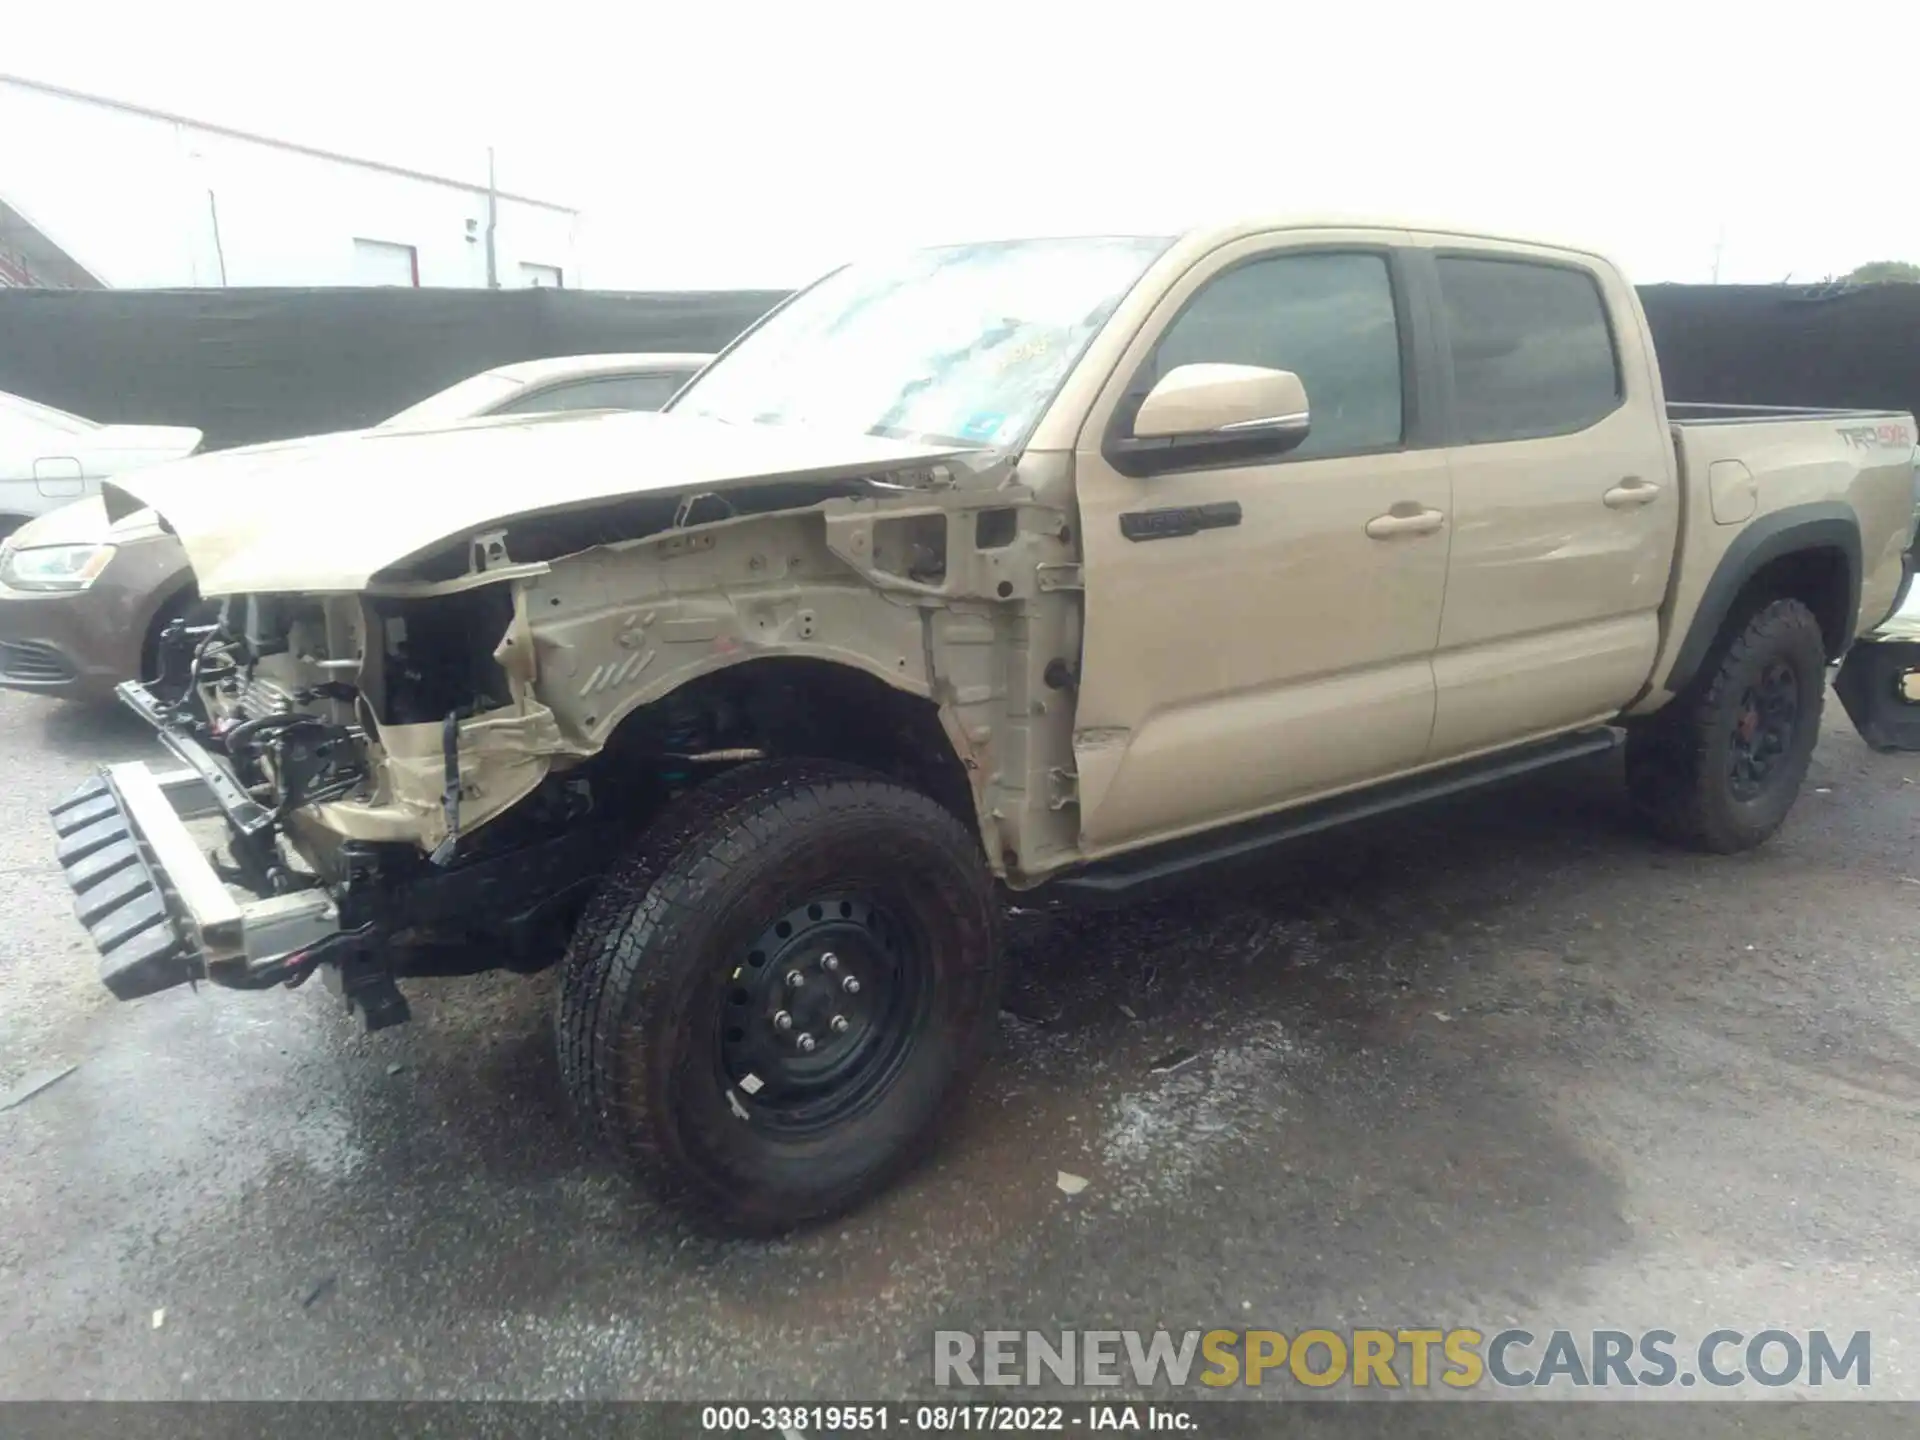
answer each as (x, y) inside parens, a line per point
(1260, 633)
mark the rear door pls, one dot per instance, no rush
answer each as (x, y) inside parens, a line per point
(1565, 511)
(39, 463)
(62, 477)
(1279, 645)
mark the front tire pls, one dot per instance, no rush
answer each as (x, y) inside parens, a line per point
(1719, 768)
(774, 1001)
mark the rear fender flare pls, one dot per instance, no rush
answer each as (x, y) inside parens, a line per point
(1826, 525)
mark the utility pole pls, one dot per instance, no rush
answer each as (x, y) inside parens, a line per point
(219, 250)
(493, 217)
(1719, 246)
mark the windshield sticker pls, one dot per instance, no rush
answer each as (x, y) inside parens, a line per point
(983, 425)
(1031, 348)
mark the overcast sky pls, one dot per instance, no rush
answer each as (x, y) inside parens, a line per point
(726, 144)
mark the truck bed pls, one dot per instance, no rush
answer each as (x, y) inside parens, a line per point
(1848, 470)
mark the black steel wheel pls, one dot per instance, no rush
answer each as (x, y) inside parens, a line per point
(775, 999)
(1765, 723)
(821, 1012)
(1720, 766)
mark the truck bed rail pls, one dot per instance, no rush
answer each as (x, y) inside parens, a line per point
(1701, 412)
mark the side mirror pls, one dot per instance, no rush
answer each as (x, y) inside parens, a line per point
(1213, 414)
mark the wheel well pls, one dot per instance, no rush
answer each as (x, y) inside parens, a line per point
(167, 611)
(801, 707)
(1821, 578)
(11, 523)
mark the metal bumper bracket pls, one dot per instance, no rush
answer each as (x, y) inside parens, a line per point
(156, 908)
(118, 897)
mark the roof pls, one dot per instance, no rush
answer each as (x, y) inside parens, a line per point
(1222, 231)
(31, 257)
(1200, 235)
(580, 367)
(172, 118)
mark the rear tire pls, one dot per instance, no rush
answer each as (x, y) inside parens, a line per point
(781, 901)
(1719, 768)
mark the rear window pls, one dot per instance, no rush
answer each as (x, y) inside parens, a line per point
(1531, 348)
(601, 392)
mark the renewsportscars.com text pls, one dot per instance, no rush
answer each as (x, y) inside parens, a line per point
(1411, 1358)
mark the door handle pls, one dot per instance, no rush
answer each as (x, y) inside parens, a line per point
(1408, 521)
(1630, 492)
(1179, 520)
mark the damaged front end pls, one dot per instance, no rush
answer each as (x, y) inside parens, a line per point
(353, 746)
(396, 799)
(427, 774)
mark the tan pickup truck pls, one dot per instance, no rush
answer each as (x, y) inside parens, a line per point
(1071, 562)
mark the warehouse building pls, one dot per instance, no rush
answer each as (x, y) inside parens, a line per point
(118, 195)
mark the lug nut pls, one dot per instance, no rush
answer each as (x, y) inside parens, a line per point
(850, 985)
(795, 979)
(805, 1042)
(839, 1023)
(782, 1020)
(829, 962)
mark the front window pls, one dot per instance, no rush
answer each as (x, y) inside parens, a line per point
(1328, 317)
(962, 345)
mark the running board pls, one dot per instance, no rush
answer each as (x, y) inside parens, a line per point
(1163, 862)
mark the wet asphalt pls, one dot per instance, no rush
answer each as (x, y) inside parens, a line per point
(1501, 1061)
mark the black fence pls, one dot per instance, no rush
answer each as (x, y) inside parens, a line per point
(1788, 345)
(248, 365)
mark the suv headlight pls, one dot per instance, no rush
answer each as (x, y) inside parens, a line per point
(53, 567)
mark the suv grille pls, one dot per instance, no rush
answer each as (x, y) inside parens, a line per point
(32, 660)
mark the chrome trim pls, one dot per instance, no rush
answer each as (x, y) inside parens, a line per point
(1267, 422)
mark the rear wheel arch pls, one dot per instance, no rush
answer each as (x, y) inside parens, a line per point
(1810, 553)
(1719, 769)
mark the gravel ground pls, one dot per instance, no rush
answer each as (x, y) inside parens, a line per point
(1501, 1061)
